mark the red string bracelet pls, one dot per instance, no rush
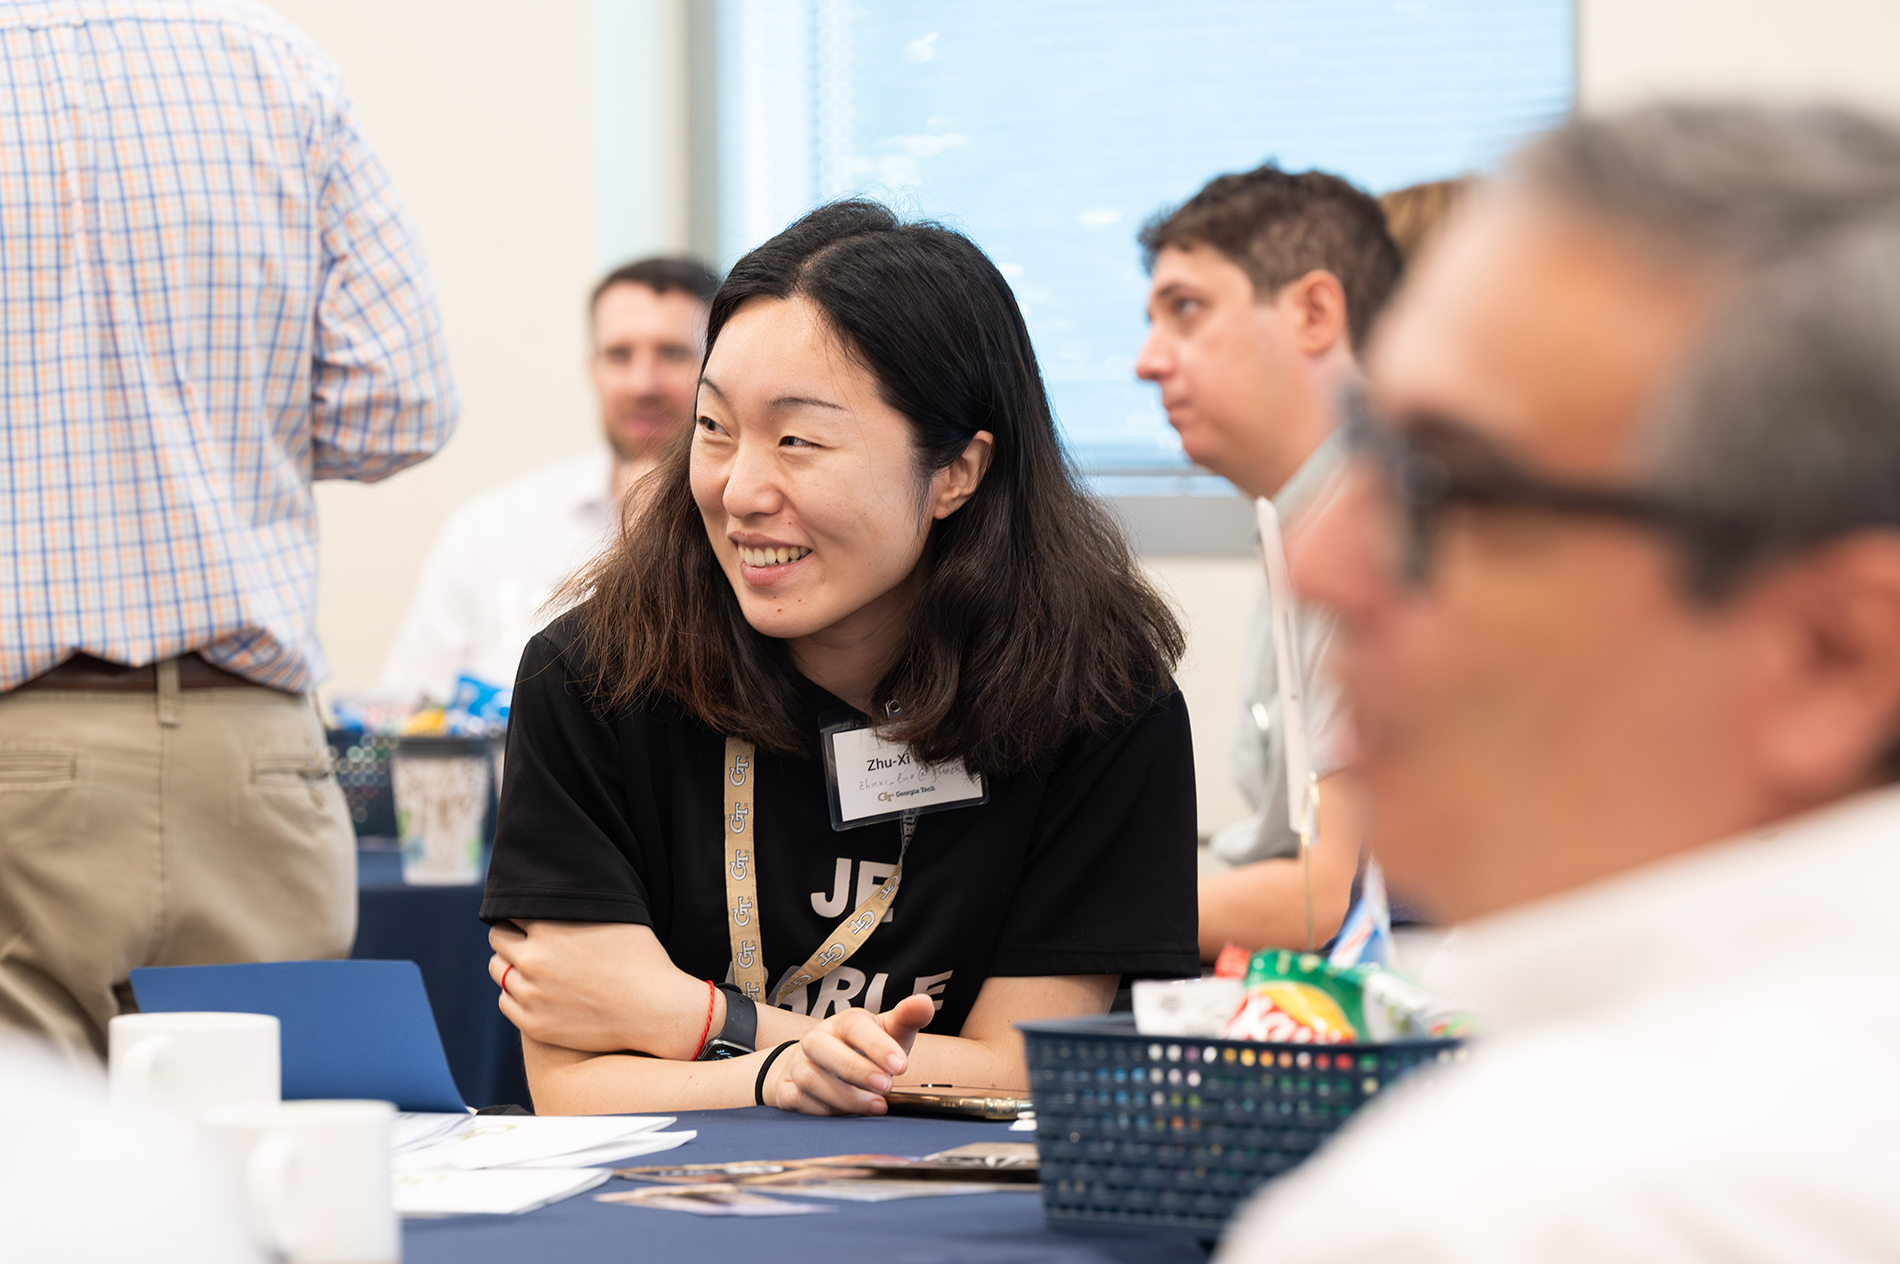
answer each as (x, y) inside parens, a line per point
(712, 993)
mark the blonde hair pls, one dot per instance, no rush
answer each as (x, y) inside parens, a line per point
(1414, 213)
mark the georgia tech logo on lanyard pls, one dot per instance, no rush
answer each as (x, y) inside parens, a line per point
(742, 892)
(742, 888)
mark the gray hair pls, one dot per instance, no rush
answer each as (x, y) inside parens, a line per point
(1785, 421)
(1746, 183)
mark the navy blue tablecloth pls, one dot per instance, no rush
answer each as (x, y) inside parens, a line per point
(439, 928)
(965, 1229)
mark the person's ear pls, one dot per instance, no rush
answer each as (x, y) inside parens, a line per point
(957, 482)
(1832, 713)
(1315, 306)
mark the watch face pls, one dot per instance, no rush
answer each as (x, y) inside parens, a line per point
(719, 1050)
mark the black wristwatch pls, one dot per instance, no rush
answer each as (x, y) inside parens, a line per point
(740, 1033)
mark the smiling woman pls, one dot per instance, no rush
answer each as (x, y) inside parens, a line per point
(868, 714)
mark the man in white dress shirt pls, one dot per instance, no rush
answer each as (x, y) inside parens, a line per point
(502, 553)
(1262, 288)
(1617, 576)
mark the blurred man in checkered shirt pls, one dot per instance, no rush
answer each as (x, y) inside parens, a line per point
(209, 297)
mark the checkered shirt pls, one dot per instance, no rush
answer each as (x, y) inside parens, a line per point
(209, 297)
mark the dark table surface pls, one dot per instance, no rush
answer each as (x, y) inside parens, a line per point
(974, 1228)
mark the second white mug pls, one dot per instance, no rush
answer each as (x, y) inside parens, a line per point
(187, 1063)
(315, 1177)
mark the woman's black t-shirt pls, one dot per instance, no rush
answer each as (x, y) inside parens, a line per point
(1087, 868)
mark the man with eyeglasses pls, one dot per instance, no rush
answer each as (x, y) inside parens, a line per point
(1263, 286)
(1617, 576)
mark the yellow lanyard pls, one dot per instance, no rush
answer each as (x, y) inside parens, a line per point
(742, 892)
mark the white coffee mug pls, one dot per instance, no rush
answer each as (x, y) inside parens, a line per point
(185, 1064)
(315, 1178)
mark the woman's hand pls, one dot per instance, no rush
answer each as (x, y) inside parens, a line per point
(599, 987)
(846, 1064)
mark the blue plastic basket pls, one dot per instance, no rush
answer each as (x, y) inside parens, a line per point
(1170, 1135)
(362, 770)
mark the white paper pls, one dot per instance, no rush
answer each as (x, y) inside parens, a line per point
(503, 1140)
(507, 1191)
(877, 778)
(615, 1151)
(415, 1129)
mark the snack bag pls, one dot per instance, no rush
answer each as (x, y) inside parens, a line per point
(1297, 998)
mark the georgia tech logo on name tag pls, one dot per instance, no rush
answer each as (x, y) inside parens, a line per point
(875, 780)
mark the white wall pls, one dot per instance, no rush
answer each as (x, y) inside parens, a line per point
(1214, 596)
(487, 121)
(1834, 50)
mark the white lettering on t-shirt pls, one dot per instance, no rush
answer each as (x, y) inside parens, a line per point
(871, 873)
(840, 887)
(932, 985)
(874, 995)
(835, 991)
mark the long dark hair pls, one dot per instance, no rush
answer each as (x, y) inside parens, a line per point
(1031, 621)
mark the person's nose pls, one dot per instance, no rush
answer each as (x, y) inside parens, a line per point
(643, 373)
(1341, 554)
(1155, 361)
(753, 487)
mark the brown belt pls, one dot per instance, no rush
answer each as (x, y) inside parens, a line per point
(83, 671)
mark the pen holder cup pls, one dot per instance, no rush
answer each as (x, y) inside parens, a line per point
(1171, 1134)
(445, 792)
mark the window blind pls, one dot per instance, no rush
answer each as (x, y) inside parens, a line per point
(1050, 130)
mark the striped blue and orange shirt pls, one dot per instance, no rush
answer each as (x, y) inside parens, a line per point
(209, 297)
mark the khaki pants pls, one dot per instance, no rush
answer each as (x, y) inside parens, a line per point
(170, 828)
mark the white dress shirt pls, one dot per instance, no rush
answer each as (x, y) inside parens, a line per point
(1257, 753)
(485, 586)
(1699, 1060)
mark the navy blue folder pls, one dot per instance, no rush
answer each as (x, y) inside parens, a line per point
(359, 1029)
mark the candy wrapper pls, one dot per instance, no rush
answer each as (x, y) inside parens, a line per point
(1298, 998)
(1366, 936)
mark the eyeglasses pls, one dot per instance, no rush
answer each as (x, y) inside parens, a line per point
(1434, 464)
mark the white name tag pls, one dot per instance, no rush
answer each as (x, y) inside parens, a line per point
(873, 780)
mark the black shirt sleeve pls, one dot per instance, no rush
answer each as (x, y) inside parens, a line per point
(1109, 884)
(564, 832)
